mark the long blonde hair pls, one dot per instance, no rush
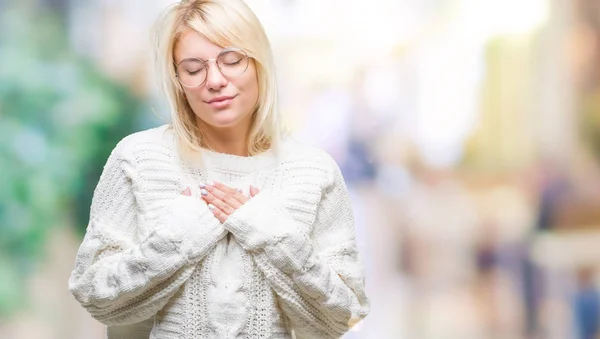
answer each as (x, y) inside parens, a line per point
(224, 23)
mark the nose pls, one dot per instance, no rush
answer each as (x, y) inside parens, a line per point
(215, 80)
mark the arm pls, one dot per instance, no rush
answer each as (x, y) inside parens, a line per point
(319, 281)
(121, 280)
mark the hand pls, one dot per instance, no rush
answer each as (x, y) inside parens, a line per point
(223, 200)
(188, 192)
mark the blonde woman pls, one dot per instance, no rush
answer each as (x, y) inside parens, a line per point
(218, 225)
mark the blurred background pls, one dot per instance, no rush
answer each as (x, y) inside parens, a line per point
(468, 132)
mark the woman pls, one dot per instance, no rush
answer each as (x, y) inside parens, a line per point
(181, 242)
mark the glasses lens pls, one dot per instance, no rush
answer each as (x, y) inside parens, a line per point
(191, 73)
(233, 63)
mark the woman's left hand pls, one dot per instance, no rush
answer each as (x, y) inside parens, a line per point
(223, 200)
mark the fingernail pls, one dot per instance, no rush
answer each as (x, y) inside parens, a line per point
(211, 207)
(204, 192)
(202, 185)
(239, 190)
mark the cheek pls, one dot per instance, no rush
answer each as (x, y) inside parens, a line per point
(251, 88)
(192, 94)
(194, 99)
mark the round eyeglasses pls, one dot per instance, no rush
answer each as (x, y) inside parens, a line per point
(192, 72)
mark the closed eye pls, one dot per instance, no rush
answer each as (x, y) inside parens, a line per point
(195, 72)
(233, 63)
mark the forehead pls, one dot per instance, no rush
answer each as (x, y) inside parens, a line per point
(192, 44)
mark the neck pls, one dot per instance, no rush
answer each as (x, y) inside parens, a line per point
(228, 140)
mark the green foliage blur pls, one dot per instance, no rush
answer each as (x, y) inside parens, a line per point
(59, 120)
(590, 121)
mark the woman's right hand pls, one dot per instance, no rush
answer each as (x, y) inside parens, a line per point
(188, 192)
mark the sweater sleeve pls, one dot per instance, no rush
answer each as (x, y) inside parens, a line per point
(127, 270)
(316, 275)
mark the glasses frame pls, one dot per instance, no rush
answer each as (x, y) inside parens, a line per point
(207, 61)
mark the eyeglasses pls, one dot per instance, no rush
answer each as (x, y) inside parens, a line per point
(192, 72)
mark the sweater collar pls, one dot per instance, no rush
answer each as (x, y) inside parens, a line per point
(240, 164)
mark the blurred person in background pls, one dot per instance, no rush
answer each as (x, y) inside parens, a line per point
(219, 225)
(553, 187)
(586, 305)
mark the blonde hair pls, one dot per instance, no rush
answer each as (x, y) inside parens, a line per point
(224, 23)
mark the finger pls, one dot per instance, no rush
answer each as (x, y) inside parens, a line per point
(236, 194)
(222, 217)
(253, 191)
(210, 198)
(225, 197)
(187, 191)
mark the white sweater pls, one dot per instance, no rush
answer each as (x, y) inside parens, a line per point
(155, 263)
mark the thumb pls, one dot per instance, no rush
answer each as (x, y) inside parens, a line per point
(253, 191)
(187, 192)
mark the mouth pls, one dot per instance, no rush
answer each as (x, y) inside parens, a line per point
(220, 99)
(221, 102)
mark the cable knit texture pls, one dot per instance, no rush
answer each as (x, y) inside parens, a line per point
(157, 264)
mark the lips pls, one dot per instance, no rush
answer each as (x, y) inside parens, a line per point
(221, 102)
(220, 99)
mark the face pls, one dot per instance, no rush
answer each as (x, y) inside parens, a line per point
(221, 101)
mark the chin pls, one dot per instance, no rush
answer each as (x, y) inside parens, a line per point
(224, 124)
(224, 119)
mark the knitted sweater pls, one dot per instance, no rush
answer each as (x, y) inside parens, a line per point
(156, 263)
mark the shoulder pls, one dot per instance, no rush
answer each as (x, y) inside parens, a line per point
(311, 180)
(300, 155)
(155, 142)
(294, 150)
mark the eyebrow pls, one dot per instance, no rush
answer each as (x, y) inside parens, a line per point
(189, 59)
(229, 48)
